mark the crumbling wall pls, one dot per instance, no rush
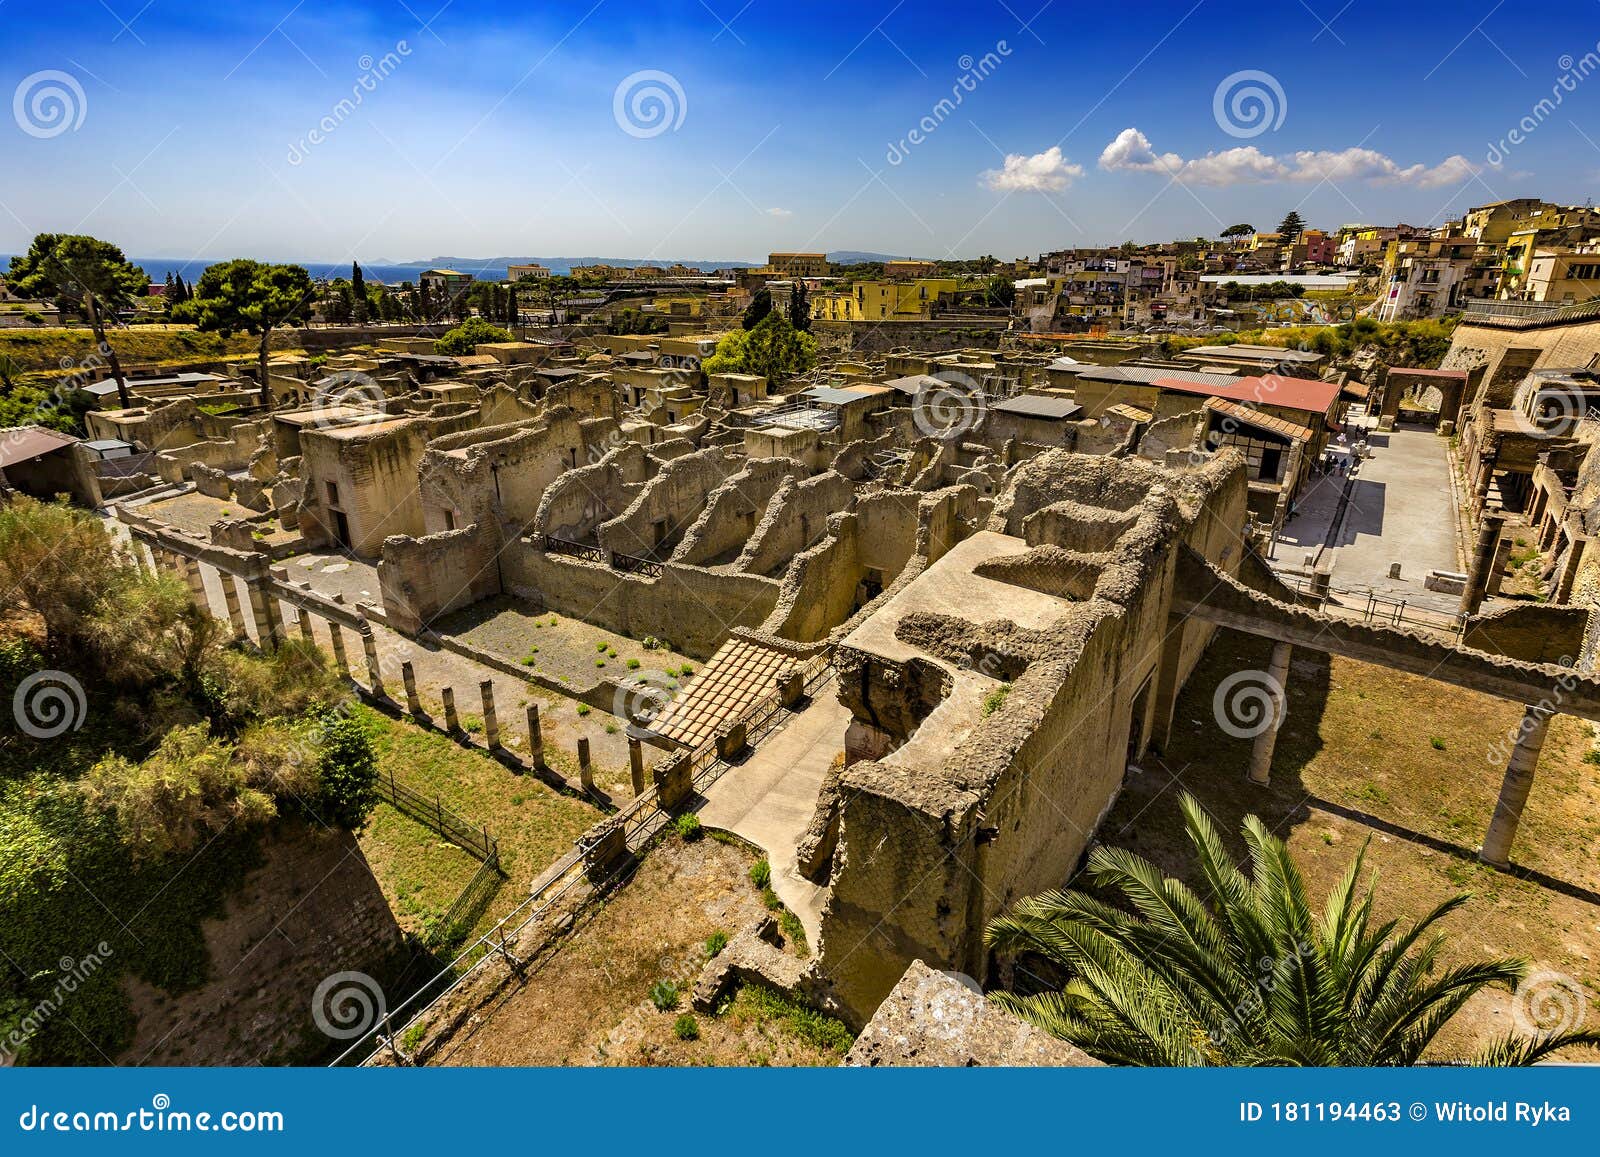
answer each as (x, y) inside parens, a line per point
(654, 523)
(795, 520)
(732, 510)
(576, 504)
(423, 578)
(690, 608)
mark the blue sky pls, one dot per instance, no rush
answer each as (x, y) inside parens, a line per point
(495, 128)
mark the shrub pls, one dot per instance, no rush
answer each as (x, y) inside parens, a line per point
(583, 708)
(761, 873)
(686, 1027)
(466, 337)
(349, 772)
(633, 664)
(688, 826)
(664, 995)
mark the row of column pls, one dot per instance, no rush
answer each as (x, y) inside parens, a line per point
(1514, 788)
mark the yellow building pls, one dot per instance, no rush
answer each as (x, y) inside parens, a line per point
(1563, 275)
(884, 300)
(797, 264)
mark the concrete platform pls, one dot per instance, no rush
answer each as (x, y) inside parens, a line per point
(769, 800)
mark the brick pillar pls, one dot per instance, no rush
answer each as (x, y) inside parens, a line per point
(536, 738)
(341, 661)
(585, 767)
(1569, 571)
(1483, 558)
(369, 644)
(230, 598)
(1514, 789)
(1278, 679)
(452, 722)
(409, 677)
(636, 764)
(264, 609)
(491, 722)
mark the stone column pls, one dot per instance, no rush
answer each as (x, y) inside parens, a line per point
(196, 581)
(1520, 767)
(264, 609)
(230, 598)
(1483, 556)
(452, 722)
(341, 661)
(585, 767)
(491, 721)
(536, 738)
(369, 644)
(409, 677)
(636, 764)
(305, 626)
(1278, 680)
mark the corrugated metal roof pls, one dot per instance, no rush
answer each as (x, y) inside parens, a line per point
(25, 443)
(1038, 406)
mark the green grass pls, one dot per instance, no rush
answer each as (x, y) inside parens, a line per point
(421, 873)
(768, 1004)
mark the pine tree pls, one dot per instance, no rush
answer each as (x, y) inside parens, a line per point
(1290, 228)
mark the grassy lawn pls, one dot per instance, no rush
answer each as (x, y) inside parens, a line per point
(1414, 766)
(420, 872)
(44, 349)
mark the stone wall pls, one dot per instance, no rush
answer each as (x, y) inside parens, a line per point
(312, 909)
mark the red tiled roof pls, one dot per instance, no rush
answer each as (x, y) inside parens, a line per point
(1314, 397)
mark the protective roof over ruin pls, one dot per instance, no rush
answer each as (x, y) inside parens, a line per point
(1259, 420)
(740, 673)
(1314, 397)
(1038, 406)
(25, 443)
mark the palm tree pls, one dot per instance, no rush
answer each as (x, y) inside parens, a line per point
(1256, 977)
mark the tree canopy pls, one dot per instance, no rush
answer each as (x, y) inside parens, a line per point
(253, 297)
(466, 337)
(84, 275)
(774, 349)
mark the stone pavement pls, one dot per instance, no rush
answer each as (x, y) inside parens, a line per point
(769, 800)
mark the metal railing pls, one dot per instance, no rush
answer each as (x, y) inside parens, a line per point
(633, 564)
(554, 545)
(1370, 607)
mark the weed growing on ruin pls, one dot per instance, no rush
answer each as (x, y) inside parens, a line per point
(761, 873)
(715, 943)
(686, 1027)
(664, 995)
(995, 699)
(688, 827)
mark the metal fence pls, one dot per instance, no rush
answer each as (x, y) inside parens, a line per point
(472, 838)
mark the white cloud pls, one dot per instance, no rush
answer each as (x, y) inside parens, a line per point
(776, 212)
(1131, 152)
(1046, 172)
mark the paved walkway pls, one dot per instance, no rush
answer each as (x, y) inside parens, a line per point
(770, 799)
(1401, 510)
